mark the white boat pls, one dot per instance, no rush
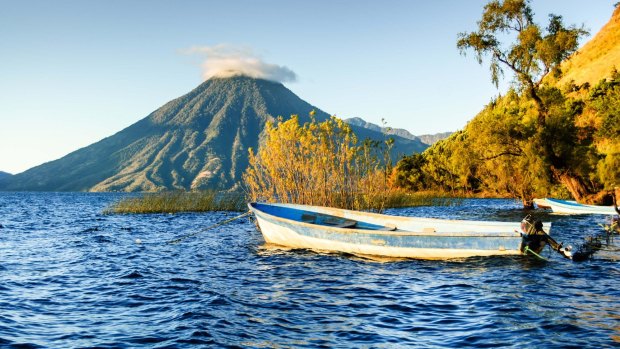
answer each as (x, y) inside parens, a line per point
(365, 233)
(573, 207)
(541, 203)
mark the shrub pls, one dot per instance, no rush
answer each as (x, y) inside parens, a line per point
(317, 164)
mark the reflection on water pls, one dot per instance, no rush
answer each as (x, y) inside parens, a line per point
(72, 277)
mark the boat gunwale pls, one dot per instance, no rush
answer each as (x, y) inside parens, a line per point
(381, 215)
(397, 232)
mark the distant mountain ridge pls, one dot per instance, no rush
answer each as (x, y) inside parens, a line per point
(401, 132)
(199, 140)
(374, 127)
(4, 174)
(434, 138)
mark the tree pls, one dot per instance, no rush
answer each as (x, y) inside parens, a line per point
(408, 173)
(605, 106)
(508, 34)
(531, 56)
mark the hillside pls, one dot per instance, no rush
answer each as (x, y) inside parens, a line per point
(594, 61)
(4, 175)
(567, 145)
(199, 140)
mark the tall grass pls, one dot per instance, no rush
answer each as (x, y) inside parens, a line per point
(322, 164)
(206, 201)
(402, 198)
(314, 164)
(179, 201)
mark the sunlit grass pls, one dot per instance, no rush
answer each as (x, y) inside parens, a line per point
(320, 164)
(179, 201)
(401, 198)
(207, 201)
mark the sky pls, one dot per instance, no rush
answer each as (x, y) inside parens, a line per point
(73, 72)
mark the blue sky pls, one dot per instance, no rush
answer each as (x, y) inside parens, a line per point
(74, 72)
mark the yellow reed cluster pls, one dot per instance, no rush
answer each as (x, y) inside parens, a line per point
(317, 163)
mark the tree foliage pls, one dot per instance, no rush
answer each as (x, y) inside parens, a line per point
(317, 164)
(498, 152)
(605, 106)
(507, 33)
(511, 143)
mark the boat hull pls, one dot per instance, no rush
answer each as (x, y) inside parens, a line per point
(431, 238)
(573, 207)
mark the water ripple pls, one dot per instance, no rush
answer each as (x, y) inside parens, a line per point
(73, 277)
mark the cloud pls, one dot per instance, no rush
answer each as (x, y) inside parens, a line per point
(227, 60)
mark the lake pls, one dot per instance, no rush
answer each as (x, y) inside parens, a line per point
(72, 277)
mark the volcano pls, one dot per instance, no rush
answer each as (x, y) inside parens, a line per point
(197, 141)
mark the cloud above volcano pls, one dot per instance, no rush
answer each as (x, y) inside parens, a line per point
(227, 60)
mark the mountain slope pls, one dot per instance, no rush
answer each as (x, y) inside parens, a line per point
(594, 61)
(428, 139)
(400, 132)
(199, 140)
(434, 138)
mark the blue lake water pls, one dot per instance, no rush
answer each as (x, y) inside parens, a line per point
(73, 277)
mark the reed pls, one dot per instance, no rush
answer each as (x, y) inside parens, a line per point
(323, 164)
(401, 198)
(179, 201)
